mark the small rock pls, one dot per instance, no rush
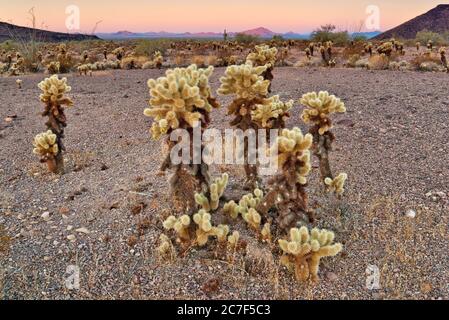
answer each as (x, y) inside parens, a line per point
(411, 213)
(46, 216)
(64, 210)
(71, 237)
(82, 230)
(69, 228)
(331, 276)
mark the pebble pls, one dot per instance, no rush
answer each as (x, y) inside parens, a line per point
(82, 230)
(331, 276)
(46, 216)
(69, 228)
(411, 213)
(71, 237)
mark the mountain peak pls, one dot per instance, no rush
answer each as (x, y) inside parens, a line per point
(435, 20)
(260, 32)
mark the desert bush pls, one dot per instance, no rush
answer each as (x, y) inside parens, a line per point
(424, 36)
(327, 33)
(65, 59)
(146, 47)
(245, 38)
(425, 62)
(182, 99)
(211, 60)
(378, 62)
(133, 62)
(353, 60)
(50, 145)
(430, 66)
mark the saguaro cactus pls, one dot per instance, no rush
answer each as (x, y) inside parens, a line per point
(319, 108)
(182, 100)
(53, 96)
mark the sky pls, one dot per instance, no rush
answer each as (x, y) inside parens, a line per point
(300, 16)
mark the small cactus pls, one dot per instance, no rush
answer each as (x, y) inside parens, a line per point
(303, 251)
(53, 96)
(319, 107)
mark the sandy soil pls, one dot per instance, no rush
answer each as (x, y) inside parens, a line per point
(392, 143)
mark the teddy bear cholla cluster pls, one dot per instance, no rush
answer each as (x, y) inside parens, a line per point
(177, 98)
(320, 106)
(304, 250)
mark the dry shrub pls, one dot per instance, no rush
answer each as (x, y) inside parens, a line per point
(352, 61)
(418, 61)
(211, 60)
(378, 62)
(179, 60)
(133, 62)
(200, 61)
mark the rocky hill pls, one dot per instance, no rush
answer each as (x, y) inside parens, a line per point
(436, 20)
(9, 31)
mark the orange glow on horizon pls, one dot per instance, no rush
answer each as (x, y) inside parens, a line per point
(205, 15)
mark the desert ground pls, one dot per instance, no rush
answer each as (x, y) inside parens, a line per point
(392, 142)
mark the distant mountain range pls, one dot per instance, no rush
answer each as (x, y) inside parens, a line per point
(8, 31)
(435, 20)
(260, 32)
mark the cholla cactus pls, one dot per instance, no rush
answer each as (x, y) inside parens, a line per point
(182, 100)
(165, 248)
(308, 53)
(158, 59)
(233, 240)
(418, 46)
(245, 81)
(179, 225)
(206, 230)
(320, 106)
(84, 69)
(46, 147)
(272, 114)
(443, 58)
(266, 233)
(369, 48)
(311, 48)
(119, 52)
(248, 86)
(216, 191)
(64, 59)
(264, 56)
(232, 209)
(337, 185)
(53, 67)
(53, 96)
(19, 83)
(430, 45)
(304, 250)
(386, 48)
(287, 189)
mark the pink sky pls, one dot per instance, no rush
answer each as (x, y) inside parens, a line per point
(212, 15)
